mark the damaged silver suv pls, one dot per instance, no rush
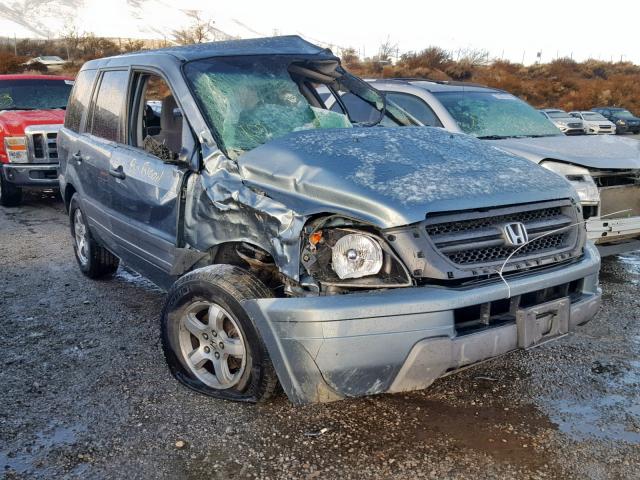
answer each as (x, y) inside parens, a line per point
(297, 244)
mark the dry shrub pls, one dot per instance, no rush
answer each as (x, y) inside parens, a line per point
(9, 63)
(562, 83)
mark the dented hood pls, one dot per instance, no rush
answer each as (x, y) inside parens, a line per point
(601, 152)
(393, 176)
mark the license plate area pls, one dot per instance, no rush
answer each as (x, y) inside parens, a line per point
(544, 322)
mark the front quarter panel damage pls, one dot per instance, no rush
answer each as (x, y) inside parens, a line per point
(220, 208)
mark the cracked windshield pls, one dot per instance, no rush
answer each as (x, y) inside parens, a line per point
(250, 102)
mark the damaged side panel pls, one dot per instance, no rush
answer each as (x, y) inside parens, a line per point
(220, 208)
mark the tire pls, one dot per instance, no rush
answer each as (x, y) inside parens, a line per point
(94, 260)
(10, 195)
(197, 348)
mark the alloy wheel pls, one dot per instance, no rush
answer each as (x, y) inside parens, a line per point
(82, 242)
(212, 345)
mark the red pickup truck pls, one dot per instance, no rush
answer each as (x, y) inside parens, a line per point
(32, 109)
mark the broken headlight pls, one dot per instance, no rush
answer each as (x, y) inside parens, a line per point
(346, 257)
(580, 179)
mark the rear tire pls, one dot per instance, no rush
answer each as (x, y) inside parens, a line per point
(94, 260)
(10, 195)
(211, 344)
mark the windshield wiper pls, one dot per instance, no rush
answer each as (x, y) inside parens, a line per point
(494, 137)
(542, 136)
(19, 108)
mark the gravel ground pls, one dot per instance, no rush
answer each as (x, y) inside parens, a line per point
(84, 392)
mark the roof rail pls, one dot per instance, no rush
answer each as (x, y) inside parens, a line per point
(454, 83)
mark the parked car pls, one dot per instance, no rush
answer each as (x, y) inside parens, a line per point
(624, 120)
(567, 124)
(604, 170)
(32, 109)
(595, 123)
(342, 261)
(52, 62)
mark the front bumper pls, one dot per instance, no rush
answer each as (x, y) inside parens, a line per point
(597, 130)
(332, 347)
(31, 175)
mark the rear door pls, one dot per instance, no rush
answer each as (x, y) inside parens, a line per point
(147, 174)
(95, 148)
(69, 138)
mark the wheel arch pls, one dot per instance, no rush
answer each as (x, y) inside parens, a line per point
(69, 190)
(248, 256)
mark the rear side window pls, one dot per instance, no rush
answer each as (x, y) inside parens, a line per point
(109, 105)
(415, 107)
(79, 101)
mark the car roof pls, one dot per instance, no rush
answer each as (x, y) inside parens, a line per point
(551, 110)
(284, 45)
(34, 77)
(436, 85)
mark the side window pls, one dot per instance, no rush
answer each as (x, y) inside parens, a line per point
(79, 100)
(156, 120)
(415, 107)
(359, 110)
(108, 105)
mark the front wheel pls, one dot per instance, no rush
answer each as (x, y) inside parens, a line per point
(210, 342)
(10, 195)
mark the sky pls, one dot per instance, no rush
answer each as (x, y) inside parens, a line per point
(514, 30)
(508, 29)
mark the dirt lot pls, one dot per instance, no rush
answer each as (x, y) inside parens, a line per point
(84, 392)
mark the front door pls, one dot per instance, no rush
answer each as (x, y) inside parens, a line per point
(146, 177)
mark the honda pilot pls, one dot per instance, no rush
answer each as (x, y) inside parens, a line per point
(298, 245)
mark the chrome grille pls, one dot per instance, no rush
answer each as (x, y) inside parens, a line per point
(42, 143)
(574, 125)
(476, 239)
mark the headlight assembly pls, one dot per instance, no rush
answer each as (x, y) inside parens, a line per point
(352, 258)
(16, 148)
(580, 179)
(356, 256)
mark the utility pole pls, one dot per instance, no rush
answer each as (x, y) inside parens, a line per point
(15, 44)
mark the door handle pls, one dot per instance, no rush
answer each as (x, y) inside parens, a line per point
(117, 172)
(77, 157)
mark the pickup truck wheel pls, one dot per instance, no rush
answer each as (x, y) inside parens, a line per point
(210, 342)
(94, 260)
(10, 195)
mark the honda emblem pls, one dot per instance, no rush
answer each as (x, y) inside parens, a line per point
(515, 234)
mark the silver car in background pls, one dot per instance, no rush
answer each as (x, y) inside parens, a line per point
(604, 170)
(595, 123)
(566, 123)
